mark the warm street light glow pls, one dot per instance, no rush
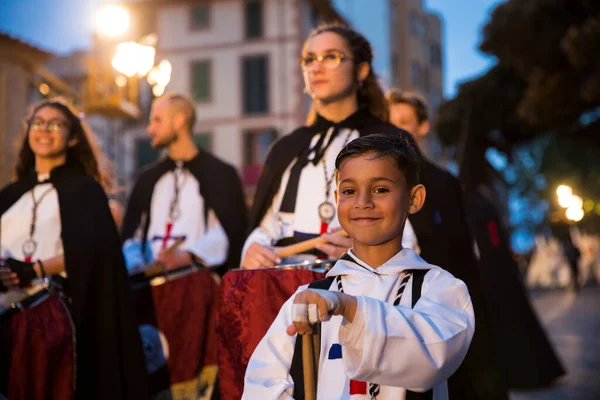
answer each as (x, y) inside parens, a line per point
(574, 214)
(564, 201)
(121, 81)
(112, 21)
(159, 77)
(132, 58)
(575, 202)
(564, 191)
(158, 90)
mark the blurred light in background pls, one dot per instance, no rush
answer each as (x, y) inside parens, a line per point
(132, 58)
(44, 89)
(564, 191)
(121, 81)
(112, 21)
(574, 214)
(159, 77)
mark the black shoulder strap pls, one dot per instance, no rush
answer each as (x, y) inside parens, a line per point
(296, 370)
(418, 275)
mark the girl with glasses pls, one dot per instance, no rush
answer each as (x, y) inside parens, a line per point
(56, 225)
(295, 195)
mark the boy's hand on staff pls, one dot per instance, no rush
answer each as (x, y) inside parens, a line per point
(315, 305)
(336, 245)
(258, 256)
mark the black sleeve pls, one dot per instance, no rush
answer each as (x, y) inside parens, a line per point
(133, 212)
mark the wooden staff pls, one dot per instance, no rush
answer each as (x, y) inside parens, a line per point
(304, 246)
(308, 366)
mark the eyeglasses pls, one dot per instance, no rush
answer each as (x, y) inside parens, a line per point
(50, 126)
(330, 61)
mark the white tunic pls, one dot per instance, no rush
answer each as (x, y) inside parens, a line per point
(15, 227)
(206, 239)
(395, 346)
(311, 193)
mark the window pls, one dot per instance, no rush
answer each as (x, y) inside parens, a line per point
(200, 16)
(417, 26)
(435, 54)
(203, 141)
(255, 85)
(256, 146)
(201, 81)
(254, 19)
(426, 76)
(415, 74)
(144, 152)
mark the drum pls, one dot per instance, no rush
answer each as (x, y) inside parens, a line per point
(306, 261)
(249, 301)
(176, 317)
(37, 347)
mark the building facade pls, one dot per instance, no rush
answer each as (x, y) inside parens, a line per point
(407, 44)
(238, 61)
(21, 76)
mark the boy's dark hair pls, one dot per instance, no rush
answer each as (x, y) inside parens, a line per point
(416, 101)
(400, 146)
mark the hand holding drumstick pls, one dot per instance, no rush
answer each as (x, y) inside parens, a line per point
(258, 256)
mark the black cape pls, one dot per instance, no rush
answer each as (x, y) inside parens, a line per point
(526, 354)
(110, 360)
(442, 232)
(220, 187)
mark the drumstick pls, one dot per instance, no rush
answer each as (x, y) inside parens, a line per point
(174, 246)
(308, 366)
(159, 267)
(304, 246)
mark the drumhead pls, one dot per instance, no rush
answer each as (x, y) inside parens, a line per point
(306, 262)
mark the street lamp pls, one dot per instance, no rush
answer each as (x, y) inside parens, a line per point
(159, 77)
(112, 21)
(132, 59)
(573, 203)
(574, 214)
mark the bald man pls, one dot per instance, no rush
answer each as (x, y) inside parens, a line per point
(190, 195)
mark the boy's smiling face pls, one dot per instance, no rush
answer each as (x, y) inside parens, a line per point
(374, 200)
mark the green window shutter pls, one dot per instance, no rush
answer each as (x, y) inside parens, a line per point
(254, 19)
(200, 16)
(201, 81)
(255, 84)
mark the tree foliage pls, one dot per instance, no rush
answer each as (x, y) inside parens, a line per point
(540, 103)
(547, 75)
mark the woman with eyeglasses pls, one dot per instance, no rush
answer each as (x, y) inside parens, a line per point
(56, 225)
(294, 200)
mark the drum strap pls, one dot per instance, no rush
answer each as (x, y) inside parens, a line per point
(296, 370)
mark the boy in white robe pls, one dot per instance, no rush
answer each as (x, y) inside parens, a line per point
(374, 345)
